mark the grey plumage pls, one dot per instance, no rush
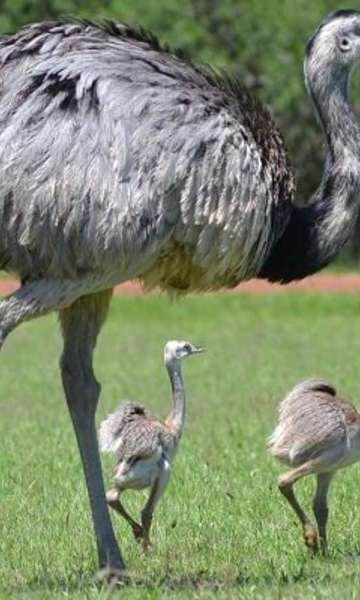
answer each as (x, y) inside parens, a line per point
(318, 433)
(120, 159)
(111, 148)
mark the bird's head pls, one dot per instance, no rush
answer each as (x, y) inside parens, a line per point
(334, 48)
(176, 350)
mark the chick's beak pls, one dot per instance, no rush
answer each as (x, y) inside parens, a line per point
(198, 349)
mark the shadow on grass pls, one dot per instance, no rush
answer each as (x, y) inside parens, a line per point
(78, 581)
(196, 582)
(241, 580)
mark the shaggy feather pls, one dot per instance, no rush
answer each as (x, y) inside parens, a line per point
(88, 170)
(122, 159)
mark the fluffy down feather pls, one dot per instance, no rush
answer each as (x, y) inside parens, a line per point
(311, 418)
(133, 433)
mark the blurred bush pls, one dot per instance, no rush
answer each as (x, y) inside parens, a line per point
(260, 41)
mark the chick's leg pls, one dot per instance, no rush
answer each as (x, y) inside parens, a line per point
(113, 500)
(156, 492)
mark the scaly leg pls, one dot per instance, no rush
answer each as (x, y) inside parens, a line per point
(113, 500)
(286, 483)
(80, 324)
(155, 495)
(320, 507)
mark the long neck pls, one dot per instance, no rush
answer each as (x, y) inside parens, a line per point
(317, 231)
(177, 416)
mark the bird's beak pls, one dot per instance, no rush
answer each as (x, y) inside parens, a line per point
(198, 349)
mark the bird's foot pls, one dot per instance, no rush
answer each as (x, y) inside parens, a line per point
(311, 538)
(146, 544)
(138, 532)
(112, 576)
(141, 537)
(324, 547)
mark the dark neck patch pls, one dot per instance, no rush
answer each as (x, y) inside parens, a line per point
(296, 255)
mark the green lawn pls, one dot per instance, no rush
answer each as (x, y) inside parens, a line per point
(222, 530)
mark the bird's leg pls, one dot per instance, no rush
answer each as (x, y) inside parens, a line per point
(113, 500)
(80, 324)
(286, 483)
(157, 491)
(320, 507)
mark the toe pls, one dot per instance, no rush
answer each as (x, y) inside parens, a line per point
(311, 539)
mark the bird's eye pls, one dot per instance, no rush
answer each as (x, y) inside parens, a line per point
(344, 44)
(187, 348)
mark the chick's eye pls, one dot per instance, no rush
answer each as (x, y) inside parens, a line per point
(187, 347)
(345, 44)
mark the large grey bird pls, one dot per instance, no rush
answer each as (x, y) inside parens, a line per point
(318, 433)
(120, 159)
(144, 445)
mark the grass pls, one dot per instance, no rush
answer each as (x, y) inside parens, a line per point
(222, 530)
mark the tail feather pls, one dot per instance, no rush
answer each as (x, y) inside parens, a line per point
(111, 428)
(108, 434)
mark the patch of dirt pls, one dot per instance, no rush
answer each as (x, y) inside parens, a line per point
(322, 283)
